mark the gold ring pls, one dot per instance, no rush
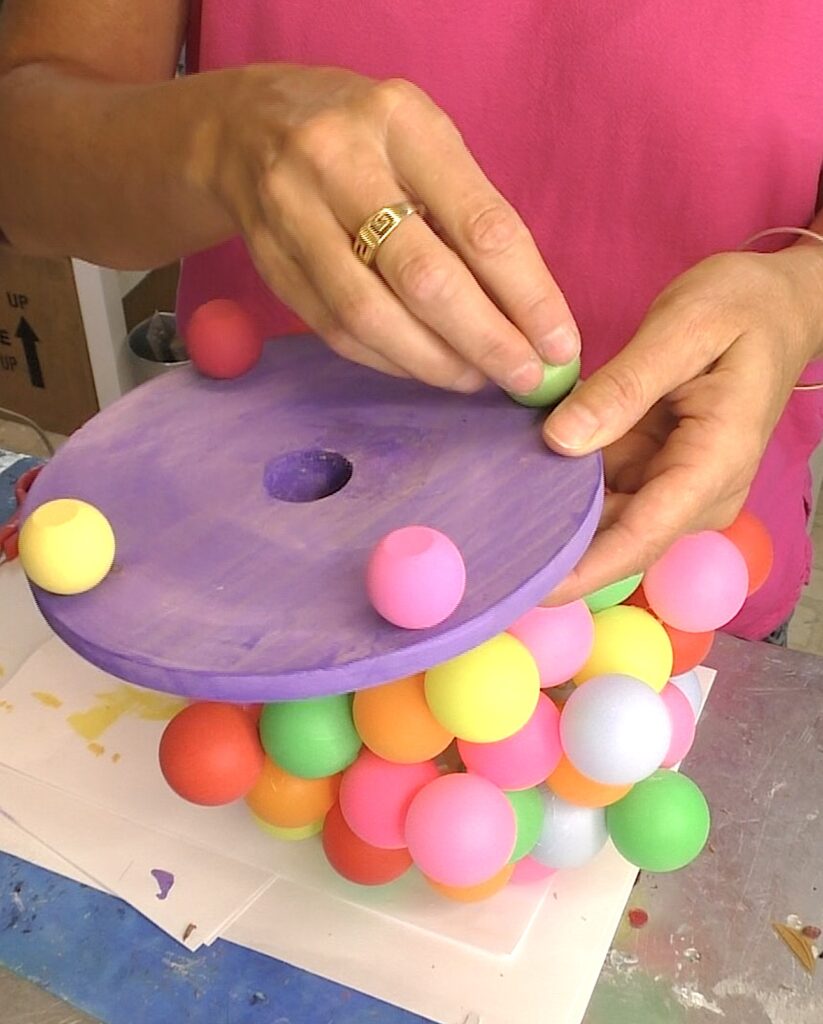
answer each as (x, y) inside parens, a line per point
(376, 229)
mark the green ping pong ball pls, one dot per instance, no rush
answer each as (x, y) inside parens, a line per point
(557, 383)
(613, 593)
(528, 814)
(310, 738)
(66, 546)
(662, 824)
(629, 641)
(486, 694)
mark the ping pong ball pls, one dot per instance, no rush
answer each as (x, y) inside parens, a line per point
(523, 759)
(287, 801)
(528, 870)
(460, 830)
(662, 824)
(631, 642)
(66, 546)
(557, 382)
(613, 593)
(356, 860)
(699, 584)
(571, 836)
(615, 730)
(378, 710)
(560, 639)
(223, 340)
(475, 893)
(752, 539)
(310, 738)
(486, 694)
(689, 684)
(567, 783)
(688, 649)
(210, 753)
(375, 796)
(683, 724)
(528, 813)
(290, 835)
(416, 577)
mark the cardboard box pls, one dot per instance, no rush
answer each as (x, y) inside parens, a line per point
(45, 371)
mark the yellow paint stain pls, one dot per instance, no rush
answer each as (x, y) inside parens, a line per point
(115, 758)
(49, 699)
(96, 749)
(4, 704)
(125, 700)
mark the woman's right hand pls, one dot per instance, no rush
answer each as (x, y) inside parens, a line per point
(300, 157)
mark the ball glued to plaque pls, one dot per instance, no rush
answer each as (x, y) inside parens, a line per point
(66, 546)
(416, 577)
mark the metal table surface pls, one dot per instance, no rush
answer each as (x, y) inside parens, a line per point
(708, 951)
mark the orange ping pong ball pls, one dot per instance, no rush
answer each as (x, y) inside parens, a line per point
(287, 801)
(474, 893)
(396, 723)
(575, 788)
(752, 539)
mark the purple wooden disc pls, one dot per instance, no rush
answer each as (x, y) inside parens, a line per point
(230, 584)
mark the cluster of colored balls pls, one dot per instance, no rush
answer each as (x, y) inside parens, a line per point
(518, 758)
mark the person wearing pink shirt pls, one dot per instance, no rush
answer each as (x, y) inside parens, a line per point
(561, 171)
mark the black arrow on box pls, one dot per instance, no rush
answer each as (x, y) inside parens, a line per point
(29, 340)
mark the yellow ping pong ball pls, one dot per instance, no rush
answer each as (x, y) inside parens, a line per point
(486, 694)
(66, 546)
(629, 641)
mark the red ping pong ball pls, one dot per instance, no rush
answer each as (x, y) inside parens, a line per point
(416, 577)
(754, 542)
(223, 340)
(210, 753)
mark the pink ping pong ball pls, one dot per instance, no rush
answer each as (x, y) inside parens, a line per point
(699, 584)
(416, 577)
(683, 722)
(375, 796)
(560, 640)
(461, 830)
(223, 340)
(524, 759)
(528, 870)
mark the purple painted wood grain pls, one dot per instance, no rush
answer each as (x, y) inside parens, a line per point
(220, 591)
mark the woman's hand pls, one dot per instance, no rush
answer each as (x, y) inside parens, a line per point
(684, 412)
(302, 156)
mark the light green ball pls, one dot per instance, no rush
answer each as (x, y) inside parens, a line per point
(310, 738)
(613, 593)
(529, 810)
(557, 383)
(662, 824)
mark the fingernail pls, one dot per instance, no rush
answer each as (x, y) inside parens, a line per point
(471, 381)
(560, 345)
(572, 427)
(526, 378)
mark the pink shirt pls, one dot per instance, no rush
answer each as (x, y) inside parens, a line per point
(634, 139)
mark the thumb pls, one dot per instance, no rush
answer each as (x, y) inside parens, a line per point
(659, 358)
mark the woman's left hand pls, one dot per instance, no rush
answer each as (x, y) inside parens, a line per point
(684, 412)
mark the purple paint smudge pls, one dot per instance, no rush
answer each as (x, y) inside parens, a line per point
(165, 880)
